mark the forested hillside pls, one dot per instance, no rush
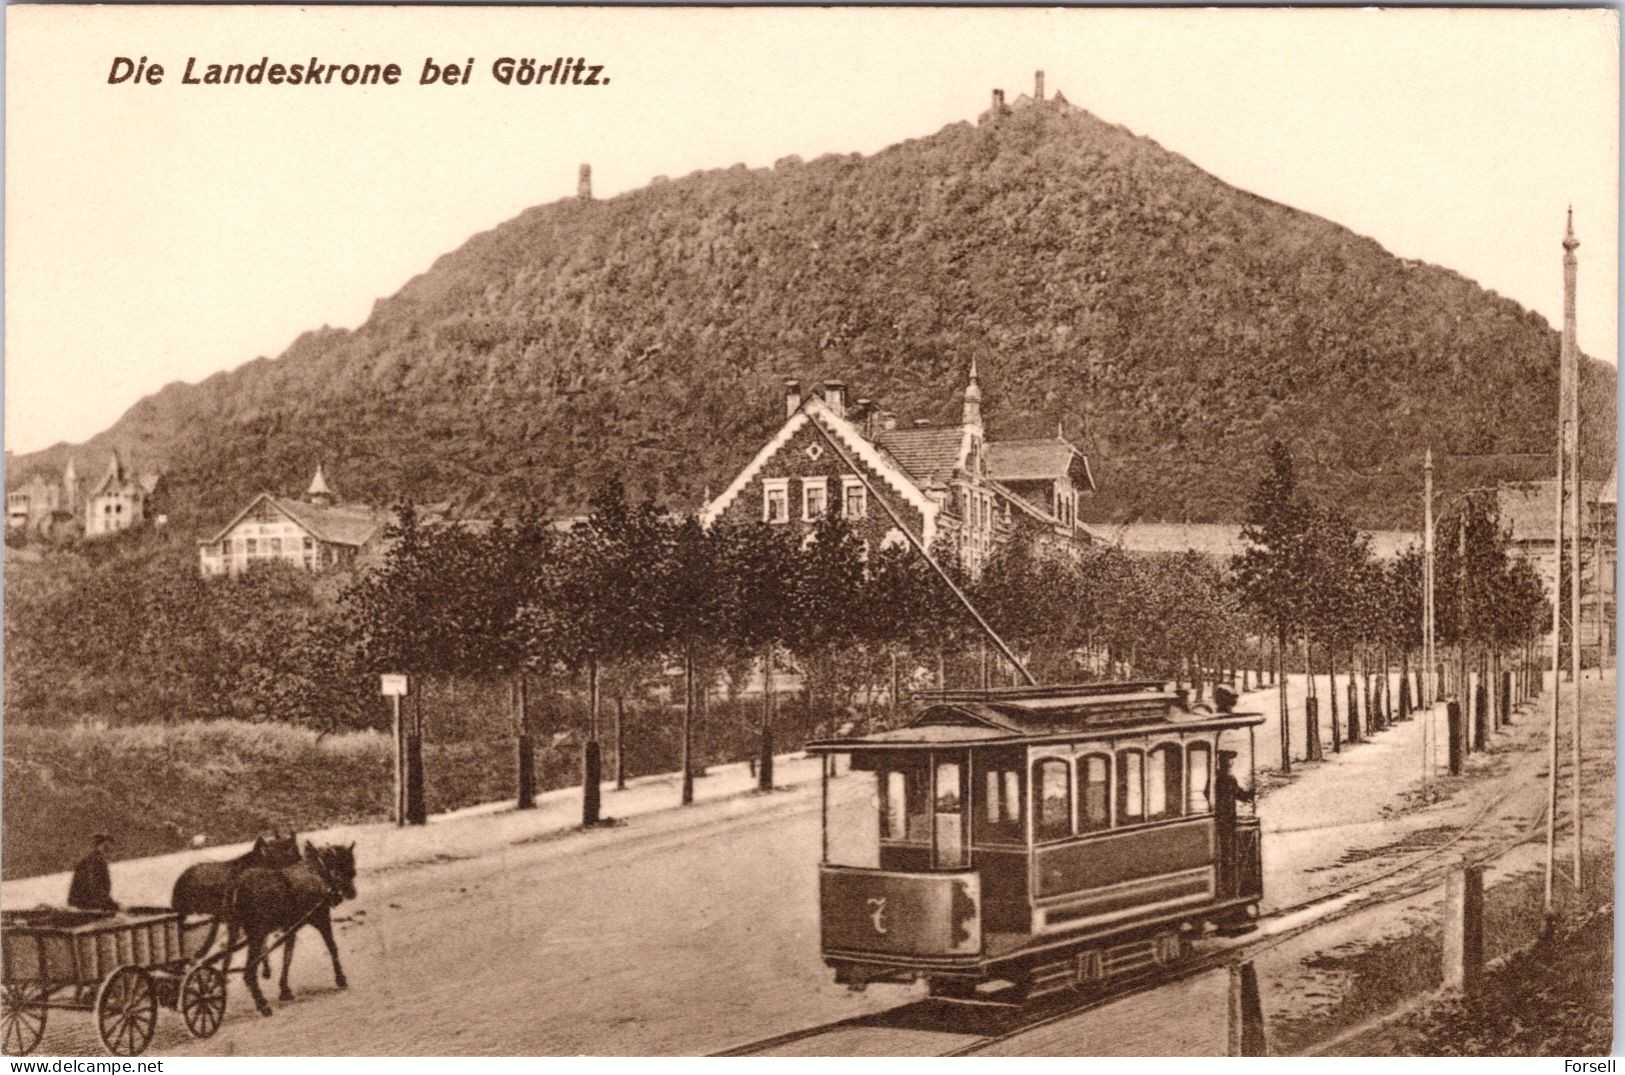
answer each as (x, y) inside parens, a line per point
(1172, 322)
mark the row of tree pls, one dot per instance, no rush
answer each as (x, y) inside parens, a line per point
(1309, 579)
(633, 605)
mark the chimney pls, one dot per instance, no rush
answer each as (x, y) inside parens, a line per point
(835, 397)
(1038, 86)
(584, 183)
(865, 410)
(888, 420)
(792, 396)
(922, 423)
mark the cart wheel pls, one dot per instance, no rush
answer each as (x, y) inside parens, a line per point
(22, 1018)
(203, 999)
(127, 1011)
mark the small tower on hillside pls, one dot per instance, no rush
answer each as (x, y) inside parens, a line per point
(319, 493)
(70, 487)
(973, 402)
(584, 183)
(1038, 86)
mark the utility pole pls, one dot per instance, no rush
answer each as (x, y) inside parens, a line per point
(1426, 700)
(1557, 674)
(1464, 685)
(1570, 380)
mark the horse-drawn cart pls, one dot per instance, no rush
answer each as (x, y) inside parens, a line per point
(121, 967)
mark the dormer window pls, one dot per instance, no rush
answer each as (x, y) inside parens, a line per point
(814, 497)
(776, 500)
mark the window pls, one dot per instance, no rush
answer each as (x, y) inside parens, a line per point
(1094, 793)
(998, 800)
(1164, 782)
(1052, 799)
(814, 497)
(950, 822)
(855, 498)
(1130, 787)
(276, 546)
(1200, 756)
(905, 814)
(776, 500)
(225, 547)
(310, 544)
(253, 546)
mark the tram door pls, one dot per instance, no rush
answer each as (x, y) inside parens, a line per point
(949, 837)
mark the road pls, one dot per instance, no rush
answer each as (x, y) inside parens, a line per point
(683, 932)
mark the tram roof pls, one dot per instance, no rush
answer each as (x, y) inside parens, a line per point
(1016, 715)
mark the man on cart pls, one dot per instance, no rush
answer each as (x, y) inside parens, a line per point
(92, 885)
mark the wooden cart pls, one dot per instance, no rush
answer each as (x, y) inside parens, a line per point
(119, 966)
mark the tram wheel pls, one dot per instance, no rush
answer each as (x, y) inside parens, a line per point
(127, 1011)
(203, 999)
(22, 1017)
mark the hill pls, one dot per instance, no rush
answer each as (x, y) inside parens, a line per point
(1174, 322)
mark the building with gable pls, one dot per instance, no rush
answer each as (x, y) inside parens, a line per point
(313, 534)
(1528, 516)
(117, 502)
(948, 487)
(36, 503)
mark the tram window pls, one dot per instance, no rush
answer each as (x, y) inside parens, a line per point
(1052, 794)
(1164, 782)
(852, 822)
(950, 824)
(1201, 770)
(1130, 787)
(947, 786)
(1094, 793)
(996, 795)
(905, 807)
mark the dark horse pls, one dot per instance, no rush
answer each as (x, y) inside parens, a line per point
(268, 899)
(206, 887)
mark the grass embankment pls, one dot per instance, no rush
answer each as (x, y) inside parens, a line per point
(1549, 994)
(157, 787)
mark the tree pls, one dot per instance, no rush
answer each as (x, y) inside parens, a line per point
(693, 610)
(1275, 572)
(757, 564)
(603, 605)
(407, 615)
(825, 595)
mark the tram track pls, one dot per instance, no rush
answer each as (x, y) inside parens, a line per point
(1354, 898)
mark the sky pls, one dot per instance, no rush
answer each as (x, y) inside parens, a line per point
(160, 233)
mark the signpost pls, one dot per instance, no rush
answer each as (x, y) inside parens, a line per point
(393, 687)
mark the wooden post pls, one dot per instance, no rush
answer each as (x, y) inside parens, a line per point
(620, 742)
(1454, 718)
(399, 807)
(1246, 1020)
(1481, 717)
(764, 761)
(591, 761)
(1464, 930)
(416, 811)
(1280, 680)
(526, 745)
(688, 726)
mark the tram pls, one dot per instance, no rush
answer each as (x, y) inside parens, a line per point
(1010, 843)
